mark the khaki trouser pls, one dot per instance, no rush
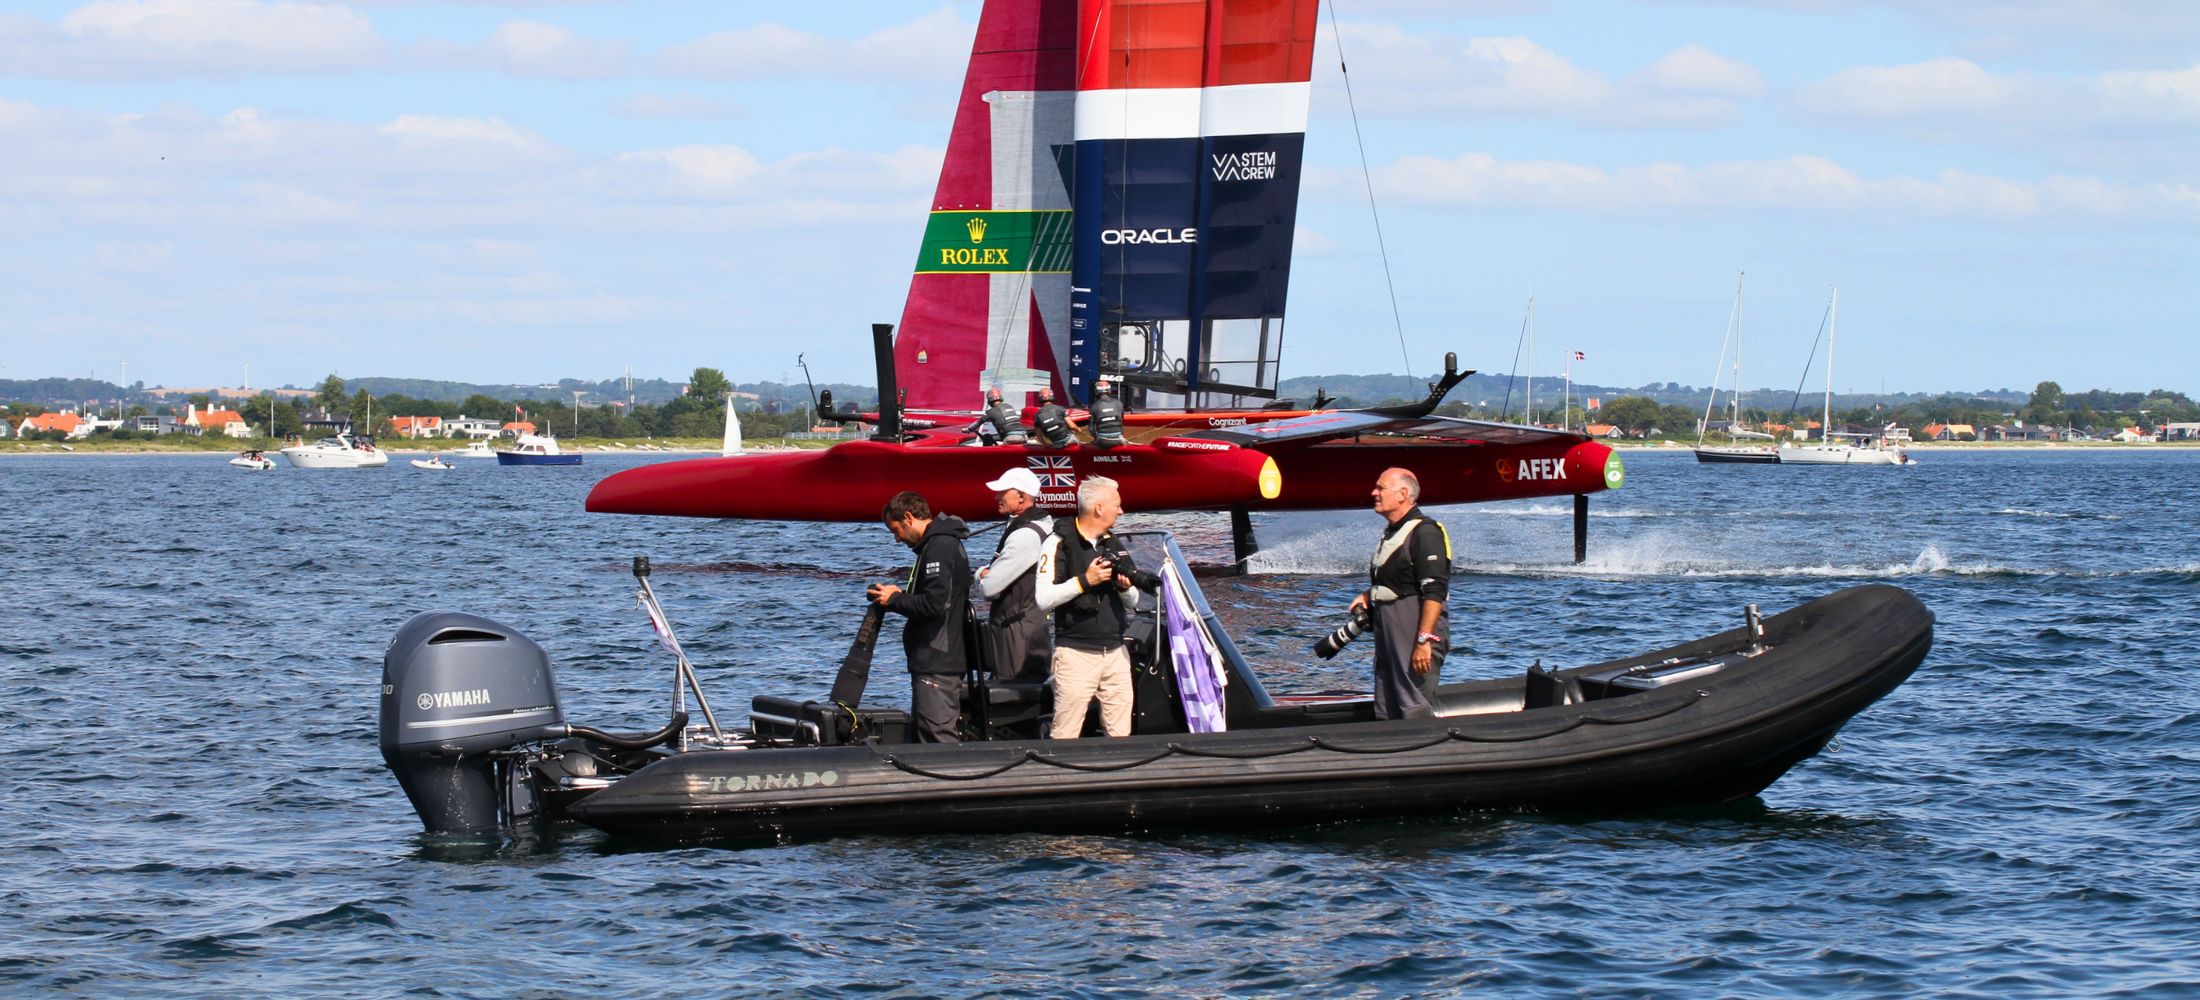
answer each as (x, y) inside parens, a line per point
(1078, 675)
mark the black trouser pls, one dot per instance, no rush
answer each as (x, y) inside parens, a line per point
(935, 705)
(1399, 693)
(1022, 649)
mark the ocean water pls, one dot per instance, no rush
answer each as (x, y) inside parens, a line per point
(189, 657)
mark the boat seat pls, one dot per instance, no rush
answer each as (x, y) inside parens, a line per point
(1547, 689)
(1009, 694)
(821, 723)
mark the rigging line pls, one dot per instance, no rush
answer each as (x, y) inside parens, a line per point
(1368, 179)
(1703, 429)
(1514, 371)
(1805, 377)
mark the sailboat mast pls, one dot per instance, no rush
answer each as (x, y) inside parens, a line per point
(1531, 359)
(1734, 422)
(1833, 332)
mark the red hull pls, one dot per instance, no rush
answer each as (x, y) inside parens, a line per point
(853, 481)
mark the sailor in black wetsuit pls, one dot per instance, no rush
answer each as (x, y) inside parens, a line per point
(1107, 415)
(1051, 424)
(936, 601)
(998, 424)
(1408, 582)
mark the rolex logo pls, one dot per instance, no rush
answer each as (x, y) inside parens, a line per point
(976, 226)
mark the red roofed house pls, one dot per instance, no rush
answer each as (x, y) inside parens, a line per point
(1601, 430)
(519, 427)
(219, 421)
(417, 427)
(67, 423)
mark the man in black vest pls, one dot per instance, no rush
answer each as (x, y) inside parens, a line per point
(935, 602)
(999, 424)
(1021, 649)
(1408, 581)
(1091, 601)
(1107, 415)
(1051, 424)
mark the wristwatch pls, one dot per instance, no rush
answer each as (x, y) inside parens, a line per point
(1424, 637)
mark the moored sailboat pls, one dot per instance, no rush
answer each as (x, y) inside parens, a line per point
(1735, 454)
(1835, 447)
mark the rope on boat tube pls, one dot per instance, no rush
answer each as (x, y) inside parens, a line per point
(1312, 743)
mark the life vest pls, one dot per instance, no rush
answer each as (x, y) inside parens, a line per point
(1107, 420)
(1390, 573)
(1052, 423)
(1004, 423)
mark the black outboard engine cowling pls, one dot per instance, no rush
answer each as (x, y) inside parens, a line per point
(455, 688)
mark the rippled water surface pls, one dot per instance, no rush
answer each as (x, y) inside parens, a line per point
(189, 656)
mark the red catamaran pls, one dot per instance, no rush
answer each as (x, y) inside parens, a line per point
(1118, 200)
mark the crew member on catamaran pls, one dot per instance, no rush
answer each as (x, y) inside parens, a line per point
(1107, 416)
(999, 424)
(1051, 422)
(1408, 582)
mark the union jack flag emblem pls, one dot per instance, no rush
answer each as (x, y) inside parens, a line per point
(1053, 471)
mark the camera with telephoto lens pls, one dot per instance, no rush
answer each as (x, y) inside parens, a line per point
(1336, 641)
(1122, 568)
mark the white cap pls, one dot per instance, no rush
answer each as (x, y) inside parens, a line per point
(1018, 478)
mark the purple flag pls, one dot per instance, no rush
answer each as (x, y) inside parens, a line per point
(1198, 663)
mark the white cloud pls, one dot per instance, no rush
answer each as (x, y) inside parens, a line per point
(533, 48)
(1805, 184)
(930, 49)
(1409, 73)
(1936, 88)
(2014, 25)
(1694, 69)
(427, 176)
(132, 38)
(683, 105)
(2131, 119)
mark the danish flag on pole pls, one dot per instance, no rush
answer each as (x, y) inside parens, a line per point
(1578, 356)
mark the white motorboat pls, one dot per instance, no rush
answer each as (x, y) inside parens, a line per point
(340, 452)
(431, 462)
(253, 459)
(537, 449)
(478, 449)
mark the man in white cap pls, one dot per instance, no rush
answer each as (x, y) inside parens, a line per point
(1022, 649)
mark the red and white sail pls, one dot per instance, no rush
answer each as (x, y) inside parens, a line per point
(1119, 197)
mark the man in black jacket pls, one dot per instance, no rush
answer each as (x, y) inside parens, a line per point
(1079, 581)
(935, 601)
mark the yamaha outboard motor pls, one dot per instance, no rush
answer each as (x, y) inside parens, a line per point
(455, 689)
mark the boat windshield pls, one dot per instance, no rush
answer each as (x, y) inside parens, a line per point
(1153, 549)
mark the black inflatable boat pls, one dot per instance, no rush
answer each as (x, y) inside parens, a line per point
(472, 726)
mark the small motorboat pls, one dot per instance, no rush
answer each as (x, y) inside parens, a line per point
(431, 462)
(537, 449)
(343, 451)
(254, 459)
(477, 449)
(472, 725)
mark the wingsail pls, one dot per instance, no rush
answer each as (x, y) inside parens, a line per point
(1191, 123)
(1118, 197)
(989, 302)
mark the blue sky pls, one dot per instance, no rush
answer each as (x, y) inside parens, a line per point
(2004, 191)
